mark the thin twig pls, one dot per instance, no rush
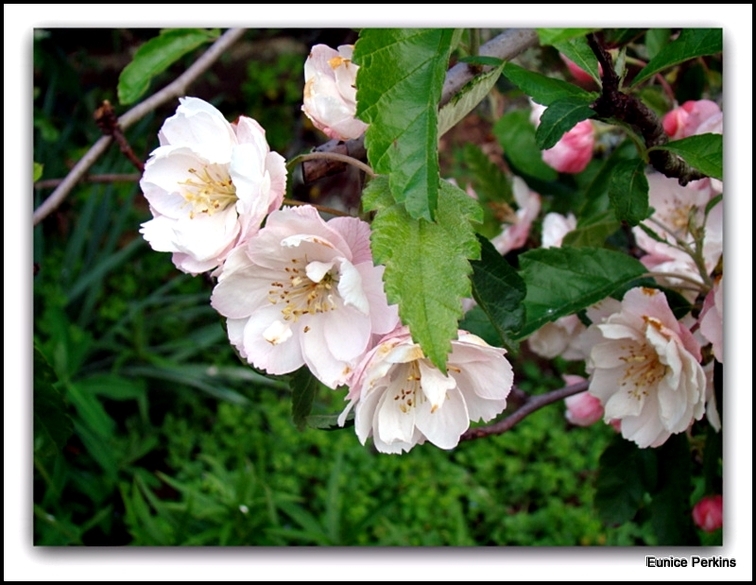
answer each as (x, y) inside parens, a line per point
(530, 405)
(333, 156)
(505, 46)
(175, 89)
(105, 178)
(107, 121)
(321, 208)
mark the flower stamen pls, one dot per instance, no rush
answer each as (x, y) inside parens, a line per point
(209, 190)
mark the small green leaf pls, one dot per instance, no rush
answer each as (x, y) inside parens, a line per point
(656, 40)
(560, 117)
(553, 36)
(38, 168)
(692, 43)
(592, 232)
(620, 484)
(468, 97)
(702, 152)
(303, 386)
(579, 52)
(329, 422)
(52, 425)
(628, 191)
(399, 83)
(543, 89)
(499, 291)
(562, 281)
(155, 56)
(516, 135)
(427, 264)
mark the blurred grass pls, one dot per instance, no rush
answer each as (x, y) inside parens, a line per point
(175, 442)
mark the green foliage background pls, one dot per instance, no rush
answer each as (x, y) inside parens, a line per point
(170, 440)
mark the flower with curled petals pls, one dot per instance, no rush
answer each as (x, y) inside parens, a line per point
(645, 369)
(303, 291)
(209, 184)
(330, 94)
(401, 399)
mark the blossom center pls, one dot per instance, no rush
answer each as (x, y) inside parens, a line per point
(209, 189)
(407, 395)
(642, 369)
(302, 295)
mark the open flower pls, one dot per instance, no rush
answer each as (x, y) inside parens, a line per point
(303, 291)
(330, 94)
(209, 184)
(401, 399)
(645, 369)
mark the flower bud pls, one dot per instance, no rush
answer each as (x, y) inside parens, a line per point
(707, 513)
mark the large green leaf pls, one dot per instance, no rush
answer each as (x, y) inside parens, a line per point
(427, 264)
(516, 135)
(468, 97)
(703, 152)
(624, 475)
(155, 56)
(543, 89)
(579, 52)
(592, 232)
(399, 83)
(560, 117)
(692, 43)
(499, 291)
(628, 191)
(561, 281)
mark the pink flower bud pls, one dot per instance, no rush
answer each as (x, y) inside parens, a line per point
(580, 75)
(707, 513)
(574, 151)
(693, 117)
(583, 409)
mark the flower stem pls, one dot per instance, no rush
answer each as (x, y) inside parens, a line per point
(332, 156)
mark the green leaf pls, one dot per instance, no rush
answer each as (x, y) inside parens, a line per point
(702, 152)
(329, 422)
(303, 386)
(499, 291)
(468, 97)
(622, 480)
(491, 186)
(579, 52)
(38, 168)
(543, 89)
(670, 508)
(692, 43)
(482, 60)
(656, 40)
(593, 232)
(553, 36)
(516, 135)
(628, 191)
(426, 263)
(477, 322)
(562, 281)
(155, 56)
(52, 425)
(560, 117)
(399, 83)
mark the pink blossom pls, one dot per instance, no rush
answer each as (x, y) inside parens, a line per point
(583, 409)
(574, 150)
(707, 513)
(645, 369)
(209, 184)
(692, 118)
(303, 291)
(330, 94)
(555, 226)
(517, 228)
(401, 399)
(559, 338)
(711, 319)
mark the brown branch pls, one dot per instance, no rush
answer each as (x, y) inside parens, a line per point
(505, 46)
(107, 121)
(526, 406)
(105, 178)
(175, 89)
(614, 105)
